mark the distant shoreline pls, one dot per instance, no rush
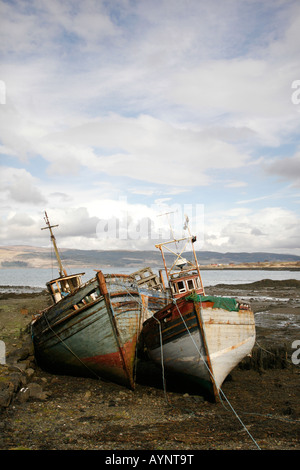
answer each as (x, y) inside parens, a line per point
(263, 284)
(41, 257)
(247, 268)
(154, 266)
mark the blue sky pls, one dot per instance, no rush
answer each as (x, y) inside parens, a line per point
(114, 112)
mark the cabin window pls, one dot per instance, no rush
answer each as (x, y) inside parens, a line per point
(174, 288)
(75, 282)
(56, 288)
(190, 284)
(64, 287)
(55, 291)
(181, 286)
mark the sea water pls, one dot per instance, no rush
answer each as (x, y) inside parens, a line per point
(34, 279)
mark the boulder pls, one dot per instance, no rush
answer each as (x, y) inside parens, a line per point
(36, 391)
(23, 395)
(5, 398)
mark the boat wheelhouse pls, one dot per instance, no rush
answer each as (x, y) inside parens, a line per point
(63, 286)
(183, 275)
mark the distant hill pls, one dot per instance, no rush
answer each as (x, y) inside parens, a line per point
(26, 256)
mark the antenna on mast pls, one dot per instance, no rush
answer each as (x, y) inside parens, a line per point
(171, 228)
(186, 223)
(183, 264)
(180, 262)
(62, 271)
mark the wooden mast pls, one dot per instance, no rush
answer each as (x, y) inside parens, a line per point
(62, 271)
(193, 239)
(190, 239)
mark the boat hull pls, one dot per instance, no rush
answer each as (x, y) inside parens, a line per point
(92, 332)
(199, 342)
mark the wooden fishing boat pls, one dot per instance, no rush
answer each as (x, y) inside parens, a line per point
(200, 338)
(92, 328)
(152, 291)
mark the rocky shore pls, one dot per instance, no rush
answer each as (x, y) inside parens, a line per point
(259, 409)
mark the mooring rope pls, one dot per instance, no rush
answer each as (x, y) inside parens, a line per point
(140, 303)
(138, 300)
(71, 351)
(162, 359)
(201, 356)
(67, 347)
(160, 336)
(211, 373)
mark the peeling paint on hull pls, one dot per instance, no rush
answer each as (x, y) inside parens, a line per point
(202, 346)
(96, 338)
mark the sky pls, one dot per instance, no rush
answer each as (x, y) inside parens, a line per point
(122, 117)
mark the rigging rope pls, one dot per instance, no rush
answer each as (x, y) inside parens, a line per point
(162, 362)
(201, 356)
(210, 372)
(67, 347)
(72, 352)
(138, 300)
(160, 334)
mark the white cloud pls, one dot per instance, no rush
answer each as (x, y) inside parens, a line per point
(154, 100)
(252, 94)
(20, 186)
(268, 229)
(21, 220)
(236, 184)
(86, 20)
(286, 169)
(43, 23)
(145, 149)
